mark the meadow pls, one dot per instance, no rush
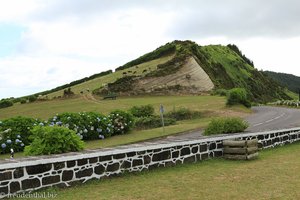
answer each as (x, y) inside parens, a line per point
(274, 175)
(86, 103)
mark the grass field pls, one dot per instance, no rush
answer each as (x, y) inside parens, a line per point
(274, 175)
(46, 109)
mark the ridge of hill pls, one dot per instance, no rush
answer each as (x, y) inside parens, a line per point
(290, 81)
(222, 67)
(180, 67)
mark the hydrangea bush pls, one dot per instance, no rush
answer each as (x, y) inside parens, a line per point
(122, 121)
(15, 133)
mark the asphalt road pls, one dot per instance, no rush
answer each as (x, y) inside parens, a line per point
(264, 118)
(267, 118)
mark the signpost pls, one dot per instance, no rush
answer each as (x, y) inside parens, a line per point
(162, 110)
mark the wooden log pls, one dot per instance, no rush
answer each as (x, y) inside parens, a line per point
(252, 143)
(252, 156)
(234, 143)
(235, 157)
(228, 150)
(252, 150)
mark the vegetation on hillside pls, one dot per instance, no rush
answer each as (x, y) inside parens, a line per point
(162, 51)
(226, 66)
(290, 81)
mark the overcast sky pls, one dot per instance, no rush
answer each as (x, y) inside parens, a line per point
(44, 44)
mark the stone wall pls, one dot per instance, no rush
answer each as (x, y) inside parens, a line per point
(28, 174)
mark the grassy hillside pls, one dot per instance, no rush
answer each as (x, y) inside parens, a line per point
(99, 82)
(46, 109)
(290, 81)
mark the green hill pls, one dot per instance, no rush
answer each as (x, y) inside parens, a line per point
(179, 67)
(290, 81)
(226, 67)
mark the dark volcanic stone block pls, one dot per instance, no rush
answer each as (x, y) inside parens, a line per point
(113, 167)
(137, 162)
(212, 146)
(105, 158)
(260, 137)
(285, 138)
(153, 166)
(126, 164)
(203, 148)
(19, 172)
(204, 156)
(131, 154)
(59, 165)
(140, 152)
(82, 162)
(50, 180)
(185, 151)
(38, 169)
(220, 145)
(14, 187)
(3, 190)
(93, 160)
(100, 169)
(71, 163)
(4, 183)
(175, 154)
(67, 175)
(119, 156)
(218, 153)
(30, 183)
(169, 164)
(189, 159)
(5, 176)
(147, 159)
(161, 156)
(195, 149)
(84, 173)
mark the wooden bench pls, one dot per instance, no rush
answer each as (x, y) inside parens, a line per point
(110, 96)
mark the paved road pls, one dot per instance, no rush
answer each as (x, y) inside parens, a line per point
(264, 118)
(272, 118)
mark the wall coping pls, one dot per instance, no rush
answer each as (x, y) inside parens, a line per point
(37, 160)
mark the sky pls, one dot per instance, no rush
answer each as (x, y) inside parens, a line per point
(44, 44)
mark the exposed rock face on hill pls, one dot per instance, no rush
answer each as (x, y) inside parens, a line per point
(190, 78)
(194, 69)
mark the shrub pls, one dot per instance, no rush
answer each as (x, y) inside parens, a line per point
(152, 122)
(122, 121)
(53, 140)
(23, 101)
(32, 98)
(17, 131)
(88, 125)
(6, 103)
(238, 96)
(220, 92)
(142, 111)
(183, 114)
(226, 125)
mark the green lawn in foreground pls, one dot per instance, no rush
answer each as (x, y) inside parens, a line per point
(47, 109)
(274, 175)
